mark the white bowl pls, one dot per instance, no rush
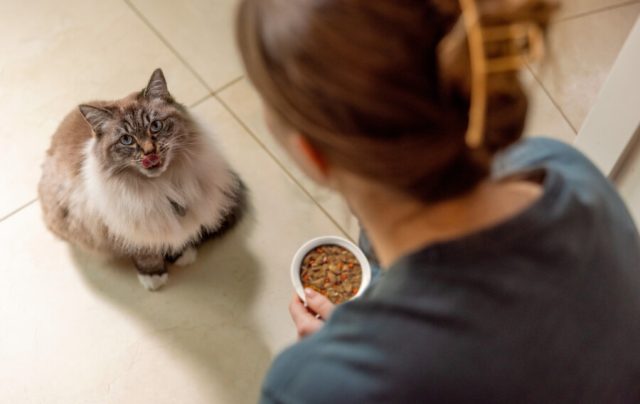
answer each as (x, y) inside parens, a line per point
(296, 263)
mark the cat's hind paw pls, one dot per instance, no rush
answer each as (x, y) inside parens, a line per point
(187, 257)
(153, 282)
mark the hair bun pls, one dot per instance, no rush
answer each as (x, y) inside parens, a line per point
(505, 97)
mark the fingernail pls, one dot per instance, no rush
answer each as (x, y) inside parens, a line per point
(309, 292)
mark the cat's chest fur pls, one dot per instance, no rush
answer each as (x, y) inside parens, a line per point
(164, 213)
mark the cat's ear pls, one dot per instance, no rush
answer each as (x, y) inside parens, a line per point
(157, 87)
(97, 117)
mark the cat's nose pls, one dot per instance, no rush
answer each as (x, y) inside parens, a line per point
(148, 147)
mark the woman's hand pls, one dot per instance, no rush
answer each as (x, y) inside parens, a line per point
(310, 319)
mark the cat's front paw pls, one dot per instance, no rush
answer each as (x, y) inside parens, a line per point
(187, 257)
(153, 282)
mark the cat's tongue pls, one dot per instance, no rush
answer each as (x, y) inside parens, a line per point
(151, 161)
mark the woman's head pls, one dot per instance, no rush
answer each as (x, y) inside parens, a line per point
(381, 88)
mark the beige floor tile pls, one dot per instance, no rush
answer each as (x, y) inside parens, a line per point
(245, 103)
(544, 118)
(80, 329)
(581, 53)
(201, 31)
(572, 8)
(58, 54)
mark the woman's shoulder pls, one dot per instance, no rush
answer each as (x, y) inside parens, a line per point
(541, 152)
(567, 166)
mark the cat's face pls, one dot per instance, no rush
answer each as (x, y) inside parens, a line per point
(139, 134)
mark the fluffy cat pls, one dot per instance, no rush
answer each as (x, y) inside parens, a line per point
(138, 178)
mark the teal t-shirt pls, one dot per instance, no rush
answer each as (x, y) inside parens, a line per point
(542, 308)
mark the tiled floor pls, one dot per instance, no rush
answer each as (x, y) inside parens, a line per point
(79, 329)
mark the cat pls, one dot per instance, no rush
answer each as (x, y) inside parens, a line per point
(138, 178)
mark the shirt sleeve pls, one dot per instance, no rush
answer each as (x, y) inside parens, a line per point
(580, 176)
(574, 167)
(540, 152)
(342, 363)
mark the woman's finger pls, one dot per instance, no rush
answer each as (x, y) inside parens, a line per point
(306, 323)
(319, 303)
(297, 310)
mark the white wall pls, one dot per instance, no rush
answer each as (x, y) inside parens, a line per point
(610, 135)
(628, 179)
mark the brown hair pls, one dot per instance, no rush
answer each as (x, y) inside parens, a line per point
(371, 84)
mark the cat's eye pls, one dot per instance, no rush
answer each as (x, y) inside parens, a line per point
(155, 126)
(126, 140)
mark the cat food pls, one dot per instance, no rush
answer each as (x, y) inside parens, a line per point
(333, 271)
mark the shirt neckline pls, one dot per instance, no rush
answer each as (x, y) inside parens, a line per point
(494, 239)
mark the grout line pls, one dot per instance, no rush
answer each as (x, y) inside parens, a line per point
(182, 59)
(8, 215)
(201, 100)
(192, 105)
(168, 45)
(279, 163)
(555, 104)
(219, 90)
(214, 93)
(229, 84)
(595, 11)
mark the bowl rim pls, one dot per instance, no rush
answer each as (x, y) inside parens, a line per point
(296, 262)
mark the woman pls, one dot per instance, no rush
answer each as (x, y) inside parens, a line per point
(511, 268)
